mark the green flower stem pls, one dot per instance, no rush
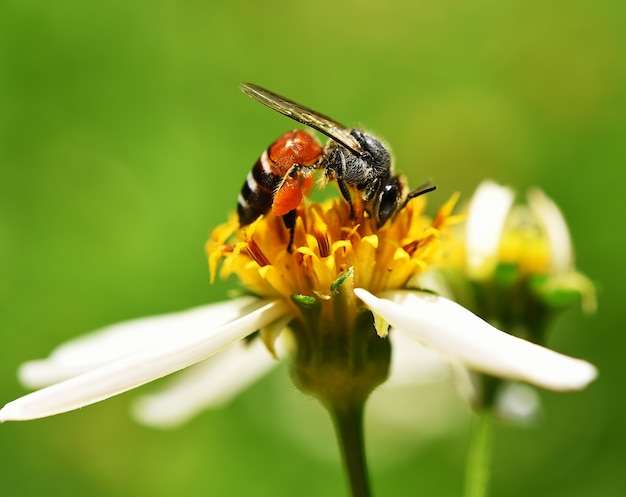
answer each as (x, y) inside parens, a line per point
(340, 360)
(479, 458)
(349, 428)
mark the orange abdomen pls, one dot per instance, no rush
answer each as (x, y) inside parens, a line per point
(280, 177)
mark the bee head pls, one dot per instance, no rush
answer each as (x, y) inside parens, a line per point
(390, 200)
(394, 196)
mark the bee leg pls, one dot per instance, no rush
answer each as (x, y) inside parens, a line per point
(335, 165)
(345, 193)
(289, 220)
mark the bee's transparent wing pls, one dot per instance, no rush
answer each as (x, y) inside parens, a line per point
(304, 115)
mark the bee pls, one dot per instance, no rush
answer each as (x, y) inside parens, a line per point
(357, 161)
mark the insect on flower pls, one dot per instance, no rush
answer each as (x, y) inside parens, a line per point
(359, 163)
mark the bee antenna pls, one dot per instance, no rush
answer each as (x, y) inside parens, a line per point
(420, 190)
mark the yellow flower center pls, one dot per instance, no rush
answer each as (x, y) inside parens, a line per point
(327, 244)
(526, 250)
(337, 355)
(525, 244)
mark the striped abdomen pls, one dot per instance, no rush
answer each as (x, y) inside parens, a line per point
(257, 193)
(280, 177)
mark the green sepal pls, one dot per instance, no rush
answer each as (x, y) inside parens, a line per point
(562, 298)
(336, 285)
(505, 275)
(304, 301)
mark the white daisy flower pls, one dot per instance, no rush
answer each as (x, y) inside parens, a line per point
(320, 297)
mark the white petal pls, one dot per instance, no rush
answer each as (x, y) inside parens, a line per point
(451, 329)
(412, 363)
(211, 383)
(551, 217)
(519, 403)
(141, 367)
(487, 214)
(114, 342)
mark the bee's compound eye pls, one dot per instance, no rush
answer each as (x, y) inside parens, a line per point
(388, 201)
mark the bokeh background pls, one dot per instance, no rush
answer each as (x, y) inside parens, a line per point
(124, 140)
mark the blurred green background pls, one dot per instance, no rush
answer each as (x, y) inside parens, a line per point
(124, 140)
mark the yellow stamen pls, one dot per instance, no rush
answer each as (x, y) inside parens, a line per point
(327, 243)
